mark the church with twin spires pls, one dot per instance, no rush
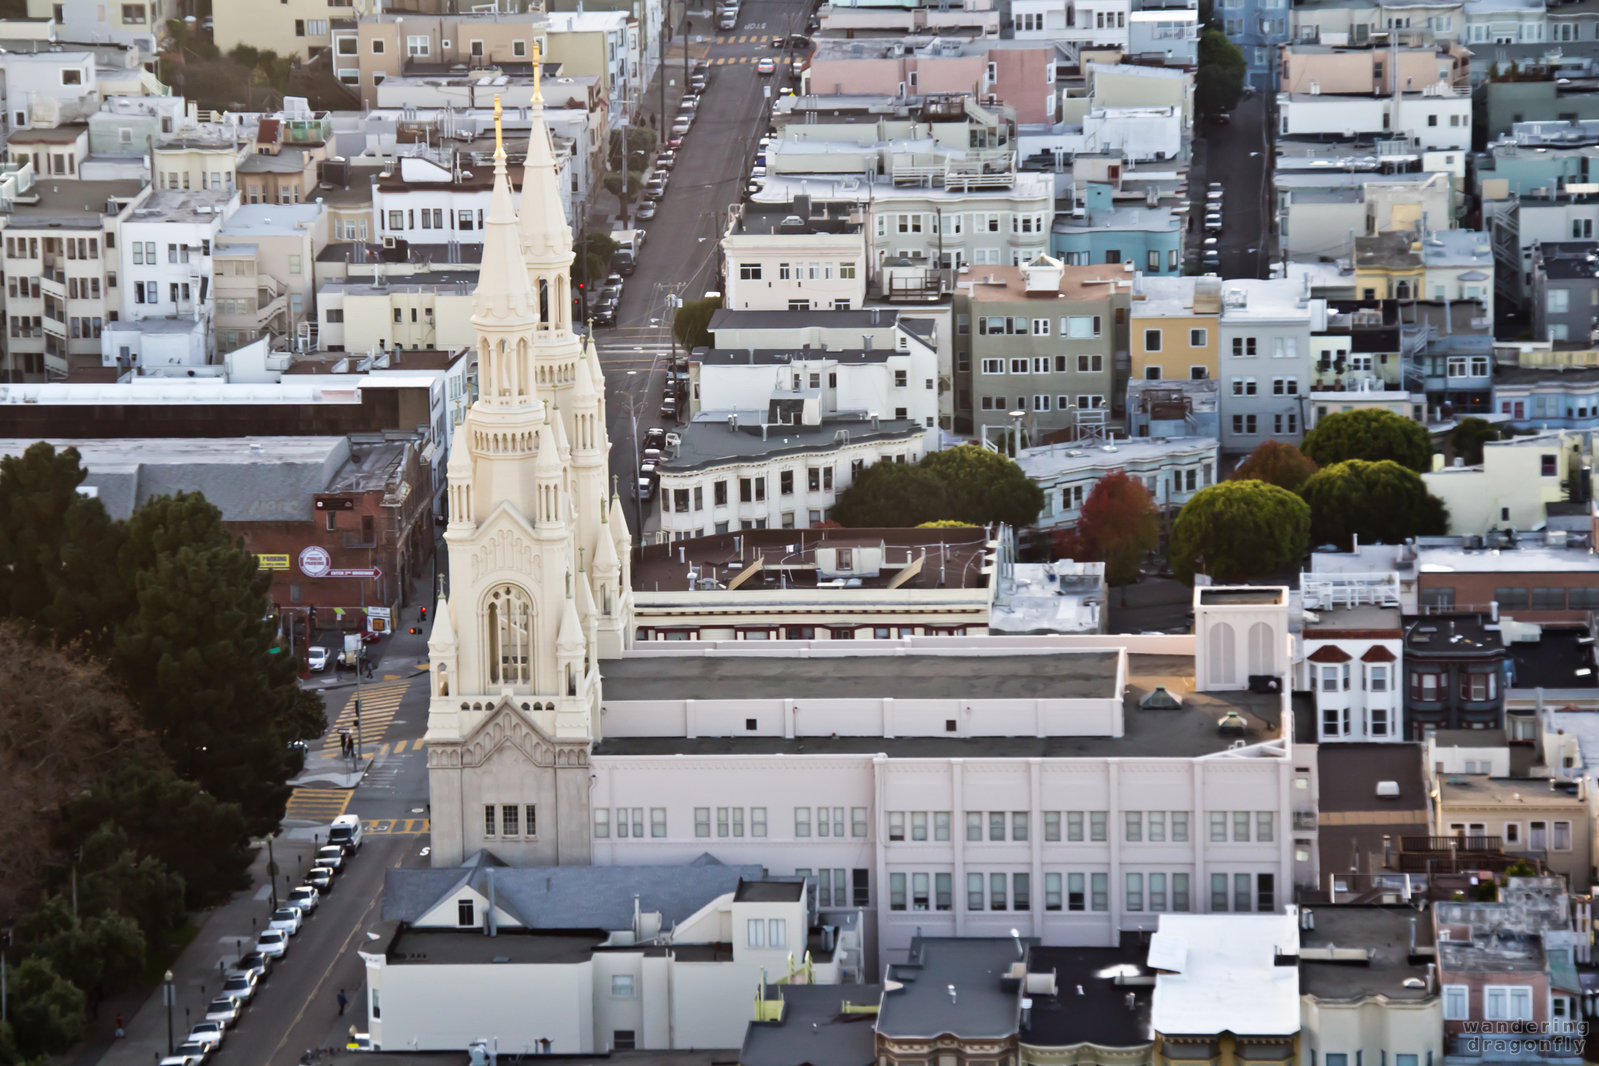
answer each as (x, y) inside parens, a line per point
(539, 549)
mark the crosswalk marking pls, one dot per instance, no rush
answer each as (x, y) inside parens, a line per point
(746, 38)
(396, 826)
(379, 704)
(313, 804)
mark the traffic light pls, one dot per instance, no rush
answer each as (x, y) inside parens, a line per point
(416, 630)
(424, 614)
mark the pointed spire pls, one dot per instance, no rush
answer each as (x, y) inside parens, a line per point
(606, 564)
(443, 635)
(583, 392)
(570, 637)
(542, 221)
(558, 424)
(585, 598)
(548, 464)
(503, 294)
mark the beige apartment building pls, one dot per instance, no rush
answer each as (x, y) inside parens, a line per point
(385, 46)
(1320, 68)
(60, 283)
(298, 28)
(264, 277)
(206, 158)
(283, 167)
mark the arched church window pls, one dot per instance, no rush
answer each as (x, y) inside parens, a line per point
(508, 622)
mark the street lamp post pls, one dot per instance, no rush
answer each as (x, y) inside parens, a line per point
(272, 873)
(168, 994)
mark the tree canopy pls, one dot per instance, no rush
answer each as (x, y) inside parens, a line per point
(967, 486)
(1119, 525)
(1276, 463)
(1236, 530)
(691, 324)
(1219, 80)
(1468, 437)
(1371, 434)
(890, 495)
(984, 486)
(144, 737)
(1380, 502)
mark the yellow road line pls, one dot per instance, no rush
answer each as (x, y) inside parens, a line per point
(396, 826)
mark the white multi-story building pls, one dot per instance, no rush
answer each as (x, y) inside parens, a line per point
(1352, 650)
(1173, 469)
(164, 258)
(425, 202)
(1436, 118)
(795, 257)
(1264, 359)
(61, 275)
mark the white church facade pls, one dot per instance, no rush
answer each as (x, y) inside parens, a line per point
(1070, 787)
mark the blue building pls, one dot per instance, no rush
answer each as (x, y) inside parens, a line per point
(1548, 397)
(1104, 231)
(1257, 27)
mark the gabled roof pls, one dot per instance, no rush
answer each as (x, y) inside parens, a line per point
(557, 898)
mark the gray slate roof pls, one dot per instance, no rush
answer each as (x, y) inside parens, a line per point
(814, 1031)
(553, 898)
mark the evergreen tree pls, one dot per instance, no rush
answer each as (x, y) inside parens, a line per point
(1238, 530)
(983, 486)
(891, 495)
(1371, 434)
(1382, 503)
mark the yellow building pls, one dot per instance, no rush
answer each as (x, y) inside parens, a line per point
(1389, 266)
(1173, 327)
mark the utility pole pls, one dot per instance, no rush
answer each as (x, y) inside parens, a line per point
(660, 120)
(272, 873)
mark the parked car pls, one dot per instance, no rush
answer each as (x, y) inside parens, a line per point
(1212, 259)
(288, 919)
(689, 104)
(666, 160)
(757, 171)
(345, 831)
(727, 21)
(1213, 223)
(331, 856)
(675, 140)
(603, 315)
(303, 899)
(623, 262)
(321, 879)
(654, 189)
(680, 128)
(669, 406)
(317, 659)
(794, 40)
(645, 489)
(240, 985)
(766, 67)
(175, 1059)
(224, 1010)
(194, 1049)
(254, 962)
(698, 82)
(645, 211)
(655, 437)
(272, 943)
(207, 1033)
(359, 1042)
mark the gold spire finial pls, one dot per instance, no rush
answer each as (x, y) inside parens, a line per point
(499, 134)
(538, 94)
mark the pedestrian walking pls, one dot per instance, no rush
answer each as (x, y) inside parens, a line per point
(120, 1031)
(344, 1001)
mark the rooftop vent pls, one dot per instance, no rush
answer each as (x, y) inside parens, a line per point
(1160, 699)
(1232, 724)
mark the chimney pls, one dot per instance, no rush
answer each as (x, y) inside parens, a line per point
(491, 924)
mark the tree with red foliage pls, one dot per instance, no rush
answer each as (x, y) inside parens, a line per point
(1119, 526)
(1277, 463)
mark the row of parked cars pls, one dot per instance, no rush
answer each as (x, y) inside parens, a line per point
(241, 983)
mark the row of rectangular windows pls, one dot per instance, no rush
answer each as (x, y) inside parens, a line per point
(992, 826)
(1074, 891)
(1043, 364)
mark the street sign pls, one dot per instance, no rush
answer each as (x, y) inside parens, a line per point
(374, 572)
(315, 561)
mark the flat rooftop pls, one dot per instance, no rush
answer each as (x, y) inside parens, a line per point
(1088, 1006)
(1384, 934)
(434, 947)
(708, 441)
(1220, 974)
(1558, 659)
(1069, 675)
(767, 220)
(822, 318)
(182, 205)
(1079, 283)
(1352, 818)
(1360, 618)
(1066, 459)
(271, 220)
(815, 1029)
(78, 204)
(982, 1008)
(1480, 790)
(950, 558)
(1187, 732)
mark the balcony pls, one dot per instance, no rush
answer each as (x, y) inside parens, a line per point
(1456, 854)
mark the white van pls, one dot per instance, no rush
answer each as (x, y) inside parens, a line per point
(345, 833)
